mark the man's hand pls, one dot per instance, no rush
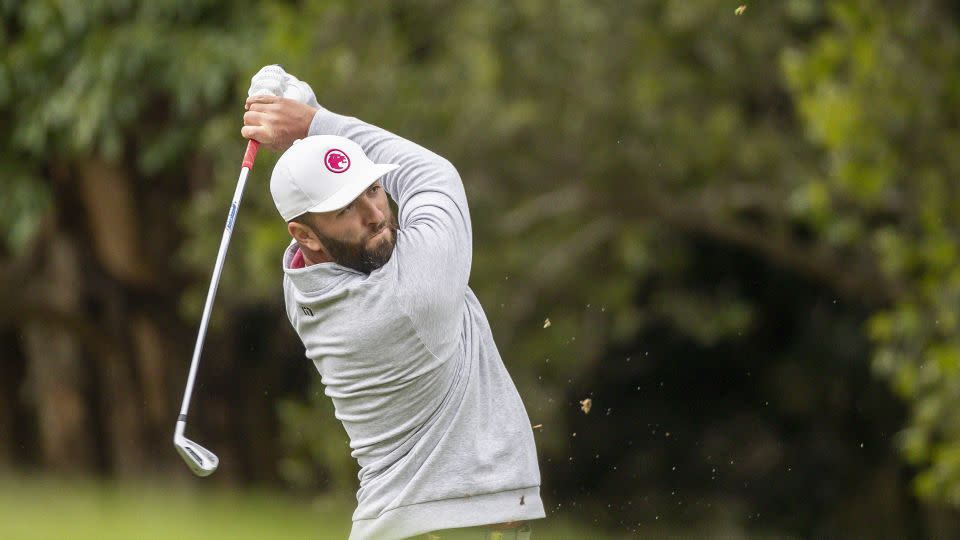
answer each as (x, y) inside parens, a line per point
(276, 121)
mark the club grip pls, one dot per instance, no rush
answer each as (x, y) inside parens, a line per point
(251, 153)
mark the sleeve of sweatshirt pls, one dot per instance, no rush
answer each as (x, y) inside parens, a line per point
(435, 245)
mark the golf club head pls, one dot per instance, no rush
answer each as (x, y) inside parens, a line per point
(200, 460)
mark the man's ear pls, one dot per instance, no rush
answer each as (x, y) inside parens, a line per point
(305, 237)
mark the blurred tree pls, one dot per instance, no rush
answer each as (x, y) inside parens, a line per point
(106, 105)
(879, 92)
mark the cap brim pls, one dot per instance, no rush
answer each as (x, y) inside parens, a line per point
(351, 191)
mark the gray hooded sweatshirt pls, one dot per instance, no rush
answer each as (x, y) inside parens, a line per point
(407, 357)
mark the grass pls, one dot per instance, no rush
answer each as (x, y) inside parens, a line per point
(47, 510)
(54, 509)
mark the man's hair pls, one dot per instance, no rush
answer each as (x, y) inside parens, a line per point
(303, 219)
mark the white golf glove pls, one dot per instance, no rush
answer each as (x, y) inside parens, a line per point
(273, 80)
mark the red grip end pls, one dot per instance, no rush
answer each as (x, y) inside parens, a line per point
(251, 154)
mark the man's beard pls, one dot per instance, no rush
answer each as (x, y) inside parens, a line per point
(357, 255)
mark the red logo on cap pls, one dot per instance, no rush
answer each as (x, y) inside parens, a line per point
(336, 161)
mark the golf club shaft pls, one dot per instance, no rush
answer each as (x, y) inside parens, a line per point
(248, 159)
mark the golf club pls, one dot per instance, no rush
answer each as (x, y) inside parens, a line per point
(269, 80)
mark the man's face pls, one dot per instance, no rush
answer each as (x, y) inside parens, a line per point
(361, 235)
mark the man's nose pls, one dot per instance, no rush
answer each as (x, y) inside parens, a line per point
(371, 212)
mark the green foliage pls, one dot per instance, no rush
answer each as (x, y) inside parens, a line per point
(318, 450)
(22, 207)
(879, 92)
(108, 79)
(88, 76)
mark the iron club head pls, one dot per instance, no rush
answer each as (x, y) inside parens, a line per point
(200, 460)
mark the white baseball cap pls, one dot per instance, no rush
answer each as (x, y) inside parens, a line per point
(322, 173)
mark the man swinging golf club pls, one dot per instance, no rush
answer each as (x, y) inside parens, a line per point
(402, 344)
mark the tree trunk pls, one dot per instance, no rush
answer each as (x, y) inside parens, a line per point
(57, 377)
(108, 199)
(11, 378)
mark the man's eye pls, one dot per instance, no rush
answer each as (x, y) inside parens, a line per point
(374, 189)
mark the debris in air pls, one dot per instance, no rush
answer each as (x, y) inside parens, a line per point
(585, 405)
(538, 426)
(740, 10)
(546, 323)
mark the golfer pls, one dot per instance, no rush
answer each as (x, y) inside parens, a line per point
(402, 344)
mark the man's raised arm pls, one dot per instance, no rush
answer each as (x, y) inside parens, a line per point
(436, 248)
